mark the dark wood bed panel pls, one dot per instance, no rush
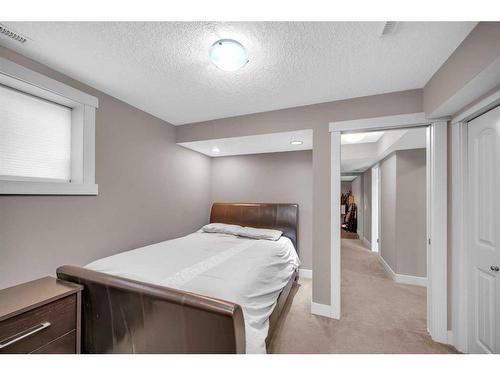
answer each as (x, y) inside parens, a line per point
(120, 315)
(280, 216)
(128, 316)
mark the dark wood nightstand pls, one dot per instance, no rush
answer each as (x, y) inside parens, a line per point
(40, 316)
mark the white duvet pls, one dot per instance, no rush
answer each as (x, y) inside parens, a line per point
(249, 272)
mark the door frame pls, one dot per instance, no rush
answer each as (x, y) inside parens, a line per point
(375, 235)
(459, 218)
(437, 300)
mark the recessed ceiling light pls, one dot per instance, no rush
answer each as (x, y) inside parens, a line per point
(353, 138)
(296, 143)
(228, 54)
(215, 150)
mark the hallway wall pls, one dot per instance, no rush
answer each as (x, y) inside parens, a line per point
(387, 210)
(403, 212)
(411, 212)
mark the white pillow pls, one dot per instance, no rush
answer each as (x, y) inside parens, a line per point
(260, 233)
(222, 228)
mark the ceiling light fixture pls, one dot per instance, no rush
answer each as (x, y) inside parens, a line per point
(215, 150)
(228, 55)
(353, 137)
(296, 143)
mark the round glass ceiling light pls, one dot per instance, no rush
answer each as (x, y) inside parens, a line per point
(353, 137)
(228, 55)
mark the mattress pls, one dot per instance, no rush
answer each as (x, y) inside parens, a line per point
(245, 271)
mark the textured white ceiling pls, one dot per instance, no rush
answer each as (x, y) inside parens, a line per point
(163, 68)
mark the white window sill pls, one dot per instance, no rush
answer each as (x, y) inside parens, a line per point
(46, 188)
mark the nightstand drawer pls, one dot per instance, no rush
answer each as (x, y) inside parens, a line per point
(62, 345)
(36, 328)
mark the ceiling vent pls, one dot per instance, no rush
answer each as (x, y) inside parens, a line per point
(389, 28)
(12, 34)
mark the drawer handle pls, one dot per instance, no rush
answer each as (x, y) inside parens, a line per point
(24, 334)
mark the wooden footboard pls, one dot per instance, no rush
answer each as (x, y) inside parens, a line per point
(126, 316)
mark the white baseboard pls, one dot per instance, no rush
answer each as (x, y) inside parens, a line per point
(450, 338)
(387, 268)
(412, 280)
(366, 243)
(399, 278)
(305, 273)
(323, 310)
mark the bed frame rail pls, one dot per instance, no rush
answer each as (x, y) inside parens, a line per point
(127, 316)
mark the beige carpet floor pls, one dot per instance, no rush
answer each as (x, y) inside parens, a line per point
(378, 315)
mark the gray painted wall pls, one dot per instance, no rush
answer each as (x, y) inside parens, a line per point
(284, 177)
(477, 51)
(403, 212)
(411, 212)
(146, 183)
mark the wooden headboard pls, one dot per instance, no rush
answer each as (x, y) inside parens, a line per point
(280, 216)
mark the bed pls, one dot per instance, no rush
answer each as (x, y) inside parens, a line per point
(202, 293)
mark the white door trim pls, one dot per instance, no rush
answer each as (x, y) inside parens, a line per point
(335, 259)
(460, 255)
(375, 170)
(437, 222)
(437, 288)
(385, 122)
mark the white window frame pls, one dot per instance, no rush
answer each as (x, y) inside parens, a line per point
(83, 106)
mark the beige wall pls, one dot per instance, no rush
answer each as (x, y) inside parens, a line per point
(316, 117)
(403, 212)
(146, 183)
(283, 177)
(479, 50)
(411, 212)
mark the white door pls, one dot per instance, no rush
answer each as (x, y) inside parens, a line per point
(375, 203)
(484, 232)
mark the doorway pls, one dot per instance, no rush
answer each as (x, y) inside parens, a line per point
(437, 210)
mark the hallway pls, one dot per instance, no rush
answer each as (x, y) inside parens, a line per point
(378, 315)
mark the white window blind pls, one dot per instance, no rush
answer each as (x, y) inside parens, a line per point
(35, 138)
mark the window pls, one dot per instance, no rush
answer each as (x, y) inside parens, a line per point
(47, 132)
(35, 138)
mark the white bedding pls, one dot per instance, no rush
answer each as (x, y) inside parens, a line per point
(246, 271)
